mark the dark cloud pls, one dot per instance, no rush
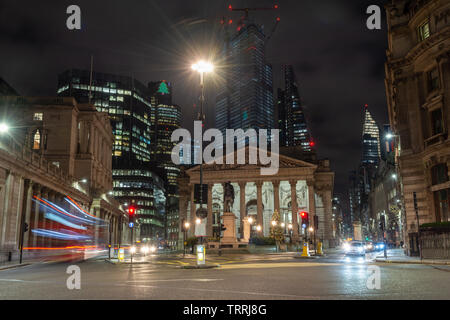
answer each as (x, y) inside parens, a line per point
(338, 61)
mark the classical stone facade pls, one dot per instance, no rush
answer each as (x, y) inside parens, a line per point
(298, 186)
(418, 95)
(55, 150)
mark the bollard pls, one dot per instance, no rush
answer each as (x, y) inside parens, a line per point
(305, 250)
(319, 249)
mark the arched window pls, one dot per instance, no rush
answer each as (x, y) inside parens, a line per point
(37, 140)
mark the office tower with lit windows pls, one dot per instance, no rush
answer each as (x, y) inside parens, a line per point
(167, 119)
(291, 117)
(128, 103)
(246, 98)
(371, 139)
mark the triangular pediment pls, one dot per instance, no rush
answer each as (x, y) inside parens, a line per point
(284, 162)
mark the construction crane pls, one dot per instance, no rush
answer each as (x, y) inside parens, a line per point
(247, 10)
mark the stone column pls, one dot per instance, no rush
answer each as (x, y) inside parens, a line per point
(328, 213)
(29, 205)
(276, 195)
(259, 205)
(209, 228)
(50, 223)
(311, 201)
(35, 213)
(242, 206)
(192, 217)
(294, 207)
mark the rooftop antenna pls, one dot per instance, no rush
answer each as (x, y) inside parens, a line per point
(90, 80)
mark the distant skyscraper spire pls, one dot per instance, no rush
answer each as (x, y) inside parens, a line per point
(371, 139)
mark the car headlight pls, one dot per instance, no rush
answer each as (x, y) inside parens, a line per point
(152, 249)
(346, 247)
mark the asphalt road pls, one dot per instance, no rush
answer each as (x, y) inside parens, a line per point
(239, 277)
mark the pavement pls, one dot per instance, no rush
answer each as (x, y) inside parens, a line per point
(398, 256)
(238, 277)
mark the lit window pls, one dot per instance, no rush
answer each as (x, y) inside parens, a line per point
(424, 31)
(39, 116)
(37, 140)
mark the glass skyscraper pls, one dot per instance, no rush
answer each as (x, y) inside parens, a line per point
(128, 103)
(246, 98)
(167, 119)
(291, 117)
(371, 139)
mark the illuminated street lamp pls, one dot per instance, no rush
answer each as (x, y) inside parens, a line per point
(4, 128)
(258, 228)
(198, 221)
(290, 227)
(202, 67)
(185, 228)
(250, 220)
(274, 223)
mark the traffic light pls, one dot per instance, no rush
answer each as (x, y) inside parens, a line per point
(131, 213)
(316, 222)
(382, 223)
(25, 227)
(305, 218)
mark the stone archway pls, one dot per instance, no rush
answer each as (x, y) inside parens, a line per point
(252, 207)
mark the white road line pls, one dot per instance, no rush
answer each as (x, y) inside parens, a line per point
(227, 291)
(174, 280)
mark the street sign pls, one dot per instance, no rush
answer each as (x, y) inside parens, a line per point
(131, 224)
(121, 255)
(200, 229)
(201, 255)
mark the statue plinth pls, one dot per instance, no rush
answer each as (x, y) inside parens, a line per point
(246, 231)
(229, 221)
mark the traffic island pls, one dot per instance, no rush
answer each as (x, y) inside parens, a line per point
(305, 257)
(201, 266)
(13, 266)
(414, 261)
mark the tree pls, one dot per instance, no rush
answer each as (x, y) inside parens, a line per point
(163, 88)
(276, 231)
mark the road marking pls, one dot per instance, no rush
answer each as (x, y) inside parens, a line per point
(174, 280)
(277, 265)
(224, 291)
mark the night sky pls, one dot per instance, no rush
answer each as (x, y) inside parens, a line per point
(339, 62)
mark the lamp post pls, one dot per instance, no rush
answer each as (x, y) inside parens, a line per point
(185, 229)
(250, 221)
(202, 67)
(397, 178)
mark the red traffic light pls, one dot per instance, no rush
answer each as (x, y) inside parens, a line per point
(304, 214)
(131, 210)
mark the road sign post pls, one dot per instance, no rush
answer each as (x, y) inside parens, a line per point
(201, 255)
